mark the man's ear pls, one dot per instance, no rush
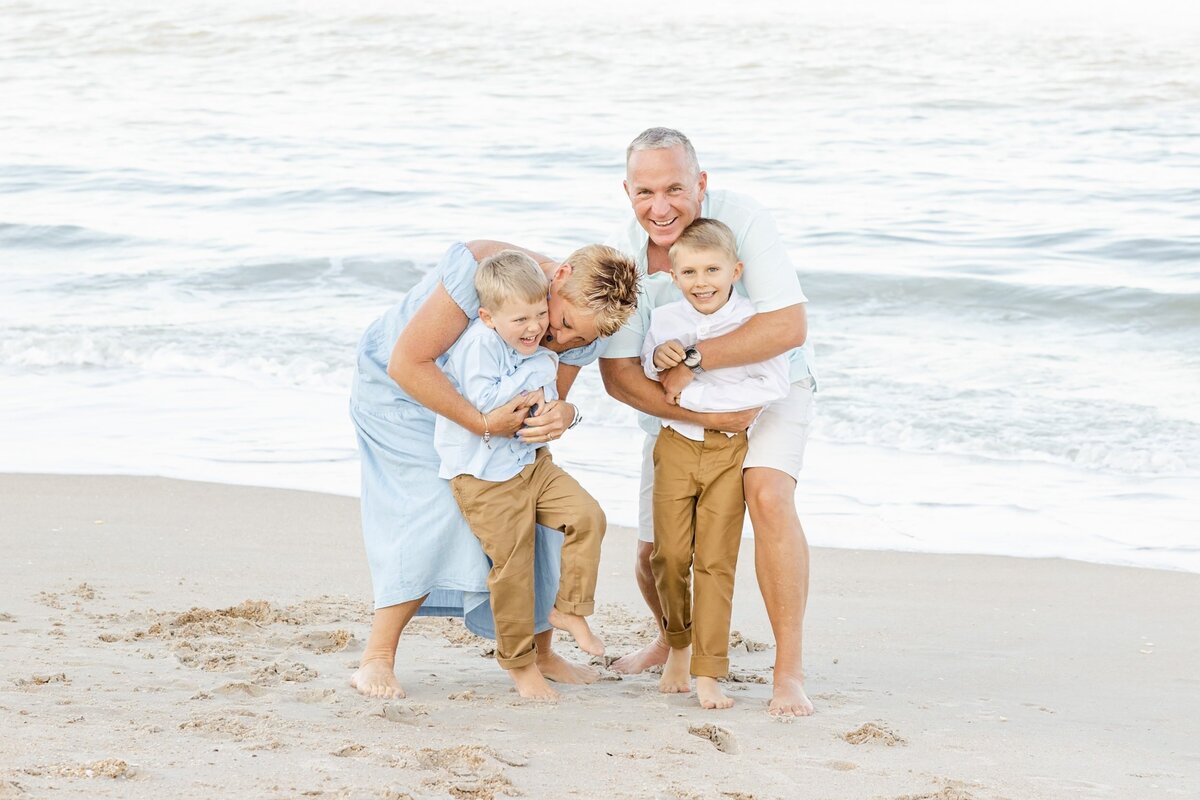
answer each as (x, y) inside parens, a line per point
(625, 186)
(702, 184)
(485, 317)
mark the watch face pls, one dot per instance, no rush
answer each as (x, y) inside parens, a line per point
(691, 357)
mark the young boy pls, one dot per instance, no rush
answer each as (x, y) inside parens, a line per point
(698, 499)
(504, 485)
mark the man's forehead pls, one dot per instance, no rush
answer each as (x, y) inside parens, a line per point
(665, 162)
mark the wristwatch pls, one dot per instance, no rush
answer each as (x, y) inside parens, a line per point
(691, 360)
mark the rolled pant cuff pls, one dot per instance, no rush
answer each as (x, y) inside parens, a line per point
(710, 666)
(678, 639)
(578, 609)
(523, 660)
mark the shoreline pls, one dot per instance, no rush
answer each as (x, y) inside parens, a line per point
(829, 520)
(201, 635)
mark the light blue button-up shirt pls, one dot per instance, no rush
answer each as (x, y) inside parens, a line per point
(488, 371)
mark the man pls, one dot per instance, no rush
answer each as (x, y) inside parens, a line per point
(668, 190)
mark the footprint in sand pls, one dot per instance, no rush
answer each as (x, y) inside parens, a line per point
(42, 680)
(350, 750)
(721, 738)
(872, 732)
(317, 696)
(326, 641)
(241, 688)
(945, 793)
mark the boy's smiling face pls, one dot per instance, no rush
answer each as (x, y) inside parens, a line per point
(520, 323)
(705, 276)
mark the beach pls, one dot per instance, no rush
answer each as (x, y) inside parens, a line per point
(172, 638)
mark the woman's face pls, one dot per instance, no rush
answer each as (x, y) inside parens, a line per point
(570, 326)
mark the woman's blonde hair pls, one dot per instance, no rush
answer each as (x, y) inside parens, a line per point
(509, 276)
(604, 282)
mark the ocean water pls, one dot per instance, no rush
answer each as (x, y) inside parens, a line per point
(997, 222)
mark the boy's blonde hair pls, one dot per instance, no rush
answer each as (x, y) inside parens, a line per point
(706, 234)
(509, 276)
(604, 282)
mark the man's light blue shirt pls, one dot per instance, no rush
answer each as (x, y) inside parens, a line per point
(487, 371)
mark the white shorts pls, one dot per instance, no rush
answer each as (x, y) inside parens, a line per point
(777, 441)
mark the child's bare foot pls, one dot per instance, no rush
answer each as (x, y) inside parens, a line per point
(709, 693)
(556, 668)
(376, 677)
(577, 626)
(652, 655)
(676, 675)
(788, 698)
(531, 684)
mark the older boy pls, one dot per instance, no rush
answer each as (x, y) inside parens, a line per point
(698, 499)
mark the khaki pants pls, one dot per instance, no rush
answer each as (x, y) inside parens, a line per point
(698, 510)
(502, 515)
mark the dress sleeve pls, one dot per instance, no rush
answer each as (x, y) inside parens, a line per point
(456, 271)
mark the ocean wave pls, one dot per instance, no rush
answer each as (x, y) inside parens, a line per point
(59, 237)
(324, 364)
(357, 276)
(1111, 307)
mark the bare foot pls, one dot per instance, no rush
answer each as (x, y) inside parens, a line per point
(676, 675)
(531, 684)
(556, 668)
(709, 693)
(375, 678)
(788, 698)
(652, 655)
(577, 626)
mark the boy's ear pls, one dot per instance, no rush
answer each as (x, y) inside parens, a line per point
(737, 270)
(485, 317)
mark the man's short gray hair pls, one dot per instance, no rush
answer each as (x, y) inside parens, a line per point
(663, 139)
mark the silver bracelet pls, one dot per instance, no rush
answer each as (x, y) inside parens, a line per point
(578, 416)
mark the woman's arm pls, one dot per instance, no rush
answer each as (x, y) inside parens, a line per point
(432, 330)
(483, 248)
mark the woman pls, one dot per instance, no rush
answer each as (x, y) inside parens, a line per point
(422, 555)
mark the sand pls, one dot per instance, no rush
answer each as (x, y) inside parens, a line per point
(162, 638)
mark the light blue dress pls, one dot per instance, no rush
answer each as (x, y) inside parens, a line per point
(416, 539)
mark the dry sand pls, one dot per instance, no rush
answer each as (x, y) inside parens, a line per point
(171, 639)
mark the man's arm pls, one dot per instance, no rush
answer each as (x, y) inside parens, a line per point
(625, 381)
(764, 336)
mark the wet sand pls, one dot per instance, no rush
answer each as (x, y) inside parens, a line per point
(169, 638)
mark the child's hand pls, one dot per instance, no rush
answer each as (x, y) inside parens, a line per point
(674, 381)
(668, 354)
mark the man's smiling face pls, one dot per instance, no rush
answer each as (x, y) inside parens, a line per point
(666, 191)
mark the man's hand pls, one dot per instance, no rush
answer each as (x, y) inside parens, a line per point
(732, 421)
(674, 381)
(668, 354)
